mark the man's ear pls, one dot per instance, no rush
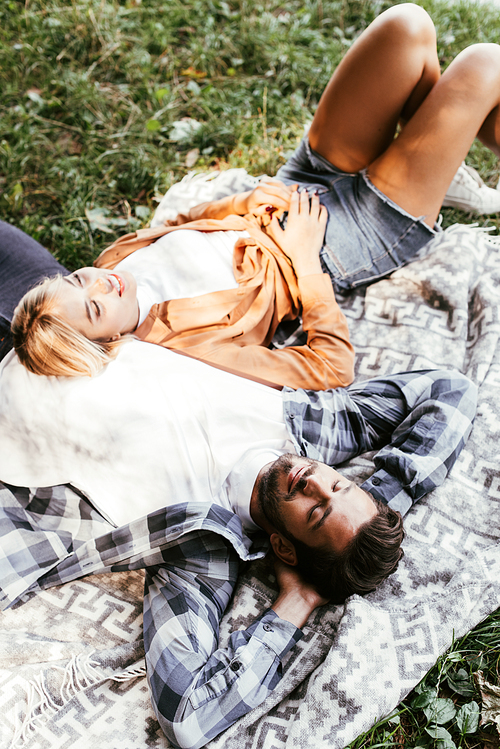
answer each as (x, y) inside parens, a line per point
(284, 549)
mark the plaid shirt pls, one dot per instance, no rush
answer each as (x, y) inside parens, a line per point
(191, 551)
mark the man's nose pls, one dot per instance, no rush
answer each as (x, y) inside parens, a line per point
(317, 488)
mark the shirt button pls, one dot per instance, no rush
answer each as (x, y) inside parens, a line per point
(235, 666)
(376, 481)
(292, 416)
(267, 627)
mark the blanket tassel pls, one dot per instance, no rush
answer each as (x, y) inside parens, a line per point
(80, 673)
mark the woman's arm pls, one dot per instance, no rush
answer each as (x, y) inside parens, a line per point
(327, 360)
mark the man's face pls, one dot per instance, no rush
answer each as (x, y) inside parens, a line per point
(313, 502)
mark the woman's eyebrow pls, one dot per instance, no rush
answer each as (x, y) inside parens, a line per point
(88, 311)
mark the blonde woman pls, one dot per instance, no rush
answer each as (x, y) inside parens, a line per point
(215, 291)
(382, 195)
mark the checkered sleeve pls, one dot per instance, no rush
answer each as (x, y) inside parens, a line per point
(419, 422)
(198, 689)
(440, 409)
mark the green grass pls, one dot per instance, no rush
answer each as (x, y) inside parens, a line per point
(91, 89)
(443, 711)
(90, 92)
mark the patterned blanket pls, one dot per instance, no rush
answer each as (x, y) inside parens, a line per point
(71, 669)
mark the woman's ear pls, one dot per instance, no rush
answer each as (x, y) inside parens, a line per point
(115, 337)
(284, 549)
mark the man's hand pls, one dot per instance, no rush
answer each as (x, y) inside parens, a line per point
(269, 197)
(303, 237)
(297, 599)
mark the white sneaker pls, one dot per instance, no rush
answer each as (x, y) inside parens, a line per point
(469, 193)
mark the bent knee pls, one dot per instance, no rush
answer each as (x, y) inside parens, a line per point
(411, 23)
(481, 64)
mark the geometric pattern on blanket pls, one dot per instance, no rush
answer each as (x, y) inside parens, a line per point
(70, 660)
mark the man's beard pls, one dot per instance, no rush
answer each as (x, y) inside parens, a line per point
(271, 497)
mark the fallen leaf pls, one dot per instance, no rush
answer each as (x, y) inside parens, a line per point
(192, 157)
(34, 94)
(193, 73)
(97, 218)
(184, 129)
(490, 696)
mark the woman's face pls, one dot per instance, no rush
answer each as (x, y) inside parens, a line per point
(100, 304)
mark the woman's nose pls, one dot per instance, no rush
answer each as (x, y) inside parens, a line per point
(99, 285)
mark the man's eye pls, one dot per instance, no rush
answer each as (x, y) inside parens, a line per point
(335, 484)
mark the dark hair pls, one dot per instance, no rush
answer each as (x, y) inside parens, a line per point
(367, 560)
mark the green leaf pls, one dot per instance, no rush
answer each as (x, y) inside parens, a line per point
(15, 196)
(461, 683)
(424, 699)
(438, 732)
(161, 93)
(152, 125)
(142, 212)
(194, 88)
(468, 718)
(442, 736)
(441, 711)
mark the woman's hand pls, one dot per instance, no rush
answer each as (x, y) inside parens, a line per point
(269, 194)
(303, 237)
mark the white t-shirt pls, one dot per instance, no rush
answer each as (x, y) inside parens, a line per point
(182, 264)
(153, 429)
(214, 433)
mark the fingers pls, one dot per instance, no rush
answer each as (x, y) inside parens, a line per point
(274, 230)
(305, 205)
(275, 193)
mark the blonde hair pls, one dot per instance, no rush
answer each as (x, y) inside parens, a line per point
(47, 345)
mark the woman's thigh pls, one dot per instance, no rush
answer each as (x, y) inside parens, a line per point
(384, 77)
(23, 262)
(417, 168)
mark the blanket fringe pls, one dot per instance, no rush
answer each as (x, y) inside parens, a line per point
(80, 673)
(476, 229)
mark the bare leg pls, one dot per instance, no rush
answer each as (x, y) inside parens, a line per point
(385, 76)
(417, 168)
(390, 73)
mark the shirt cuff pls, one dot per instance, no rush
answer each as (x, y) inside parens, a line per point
(388, 489)
(315, 288)
(276, 633)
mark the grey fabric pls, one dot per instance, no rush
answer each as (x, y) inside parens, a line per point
(354, 663)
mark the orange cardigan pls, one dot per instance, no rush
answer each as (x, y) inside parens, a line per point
(232, 328)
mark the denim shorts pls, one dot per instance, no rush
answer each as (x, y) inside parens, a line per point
(367, 235)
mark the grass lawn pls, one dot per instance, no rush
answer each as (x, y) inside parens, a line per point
(106, 103)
